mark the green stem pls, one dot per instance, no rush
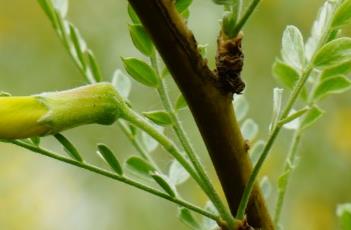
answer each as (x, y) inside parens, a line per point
(170, 147)
(246, 16)
(113, 176)
(240, 7)
(137, 145)
(291, 158)
(189, 149)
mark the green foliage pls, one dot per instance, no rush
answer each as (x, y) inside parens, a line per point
(339, 69)
(107, 155)
(182, 5)
(332, 85)
(177, 175)
(342, 15)
(266, 187)
(141, 72)
(319, 28)
(241, 107)
(287, 76)
(180, 103)
(187, 218)
(139, 166)
(121, 83)
(149, 143)
(333, 53)
(159, 117)
(68, 147)
(256, 150)
(132, 15)
(293, 48)
(249, 129)
(165, 184)
(141, 39)
(311, 117)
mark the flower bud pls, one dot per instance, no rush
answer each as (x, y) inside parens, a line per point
(50, 113)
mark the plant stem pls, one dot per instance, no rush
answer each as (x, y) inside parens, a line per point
(189, 149)
(246, 16)
(137, 145)
(291, 158)
(170, 147)
(113, 176)
(252, 179)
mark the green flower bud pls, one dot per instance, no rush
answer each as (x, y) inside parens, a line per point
(50, 113)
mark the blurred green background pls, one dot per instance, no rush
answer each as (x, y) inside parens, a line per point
(40, 193)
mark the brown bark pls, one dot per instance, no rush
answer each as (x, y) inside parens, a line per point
(209, 102)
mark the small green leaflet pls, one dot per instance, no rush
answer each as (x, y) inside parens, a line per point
(287, 76)
(256, 151)
(180, 103)
(343, 211)
(277, 105)
(188, 219)
(241, 107)
(141, 72)
(318, 28)
(229, 22)
(163, 181)
(94, 66)
(61, 6)
(333, 53)
(283, 180)
(122, 83)
(177, 174)
(249, 129)
(332, 85)
(47, 7)
(311, 117)
(35, 140)
(182, 5)
(107, 155)
(340, 69)
(68, 147)
(78, 43)
(342, 14)
(266, 187)
(139, 166)
(149, 143)
(141, 39)
(133, 16)
(159, 117)
(293, 48)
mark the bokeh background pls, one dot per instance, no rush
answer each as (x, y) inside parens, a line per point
(40, 193)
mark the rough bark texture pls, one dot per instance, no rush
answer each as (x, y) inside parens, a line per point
(209, 102)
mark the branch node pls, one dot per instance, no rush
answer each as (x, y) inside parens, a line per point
(229, 62)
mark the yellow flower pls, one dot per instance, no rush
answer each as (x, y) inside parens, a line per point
(19, 117)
